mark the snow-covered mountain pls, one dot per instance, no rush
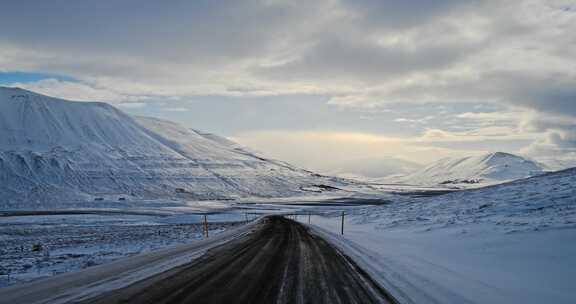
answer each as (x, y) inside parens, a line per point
(54, 151)
(484, 169)
(558, 162)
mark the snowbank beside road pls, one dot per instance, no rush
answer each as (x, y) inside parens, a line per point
(512, 243)
(447, 267)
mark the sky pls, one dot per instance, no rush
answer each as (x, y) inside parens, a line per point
(363, 87)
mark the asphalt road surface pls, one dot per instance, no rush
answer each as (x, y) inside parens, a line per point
(279, 262)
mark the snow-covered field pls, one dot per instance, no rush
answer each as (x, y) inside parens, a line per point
(73, 242)
(511, 243)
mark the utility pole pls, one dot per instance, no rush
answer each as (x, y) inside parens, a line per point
(342, 230)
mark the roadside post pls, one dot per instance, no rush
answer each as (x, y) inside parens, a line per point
(342, 229)
(206, 225)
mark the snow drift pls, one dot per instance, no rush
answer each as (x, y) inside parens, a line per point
(54, 151)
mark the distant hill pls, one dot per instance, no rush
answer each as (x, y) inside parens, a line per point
(490, 168)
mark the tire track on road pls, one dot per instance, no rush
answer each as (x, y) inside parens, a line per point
(280, 262)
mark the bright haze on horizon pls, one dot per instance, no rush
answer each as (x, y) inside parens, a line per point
(334, 86)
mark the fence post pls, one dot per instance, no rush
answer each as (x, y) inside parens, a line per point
(342, 229)
(206, 225)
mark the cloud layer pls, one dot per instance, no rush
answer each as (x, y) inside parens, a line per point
(361, 55)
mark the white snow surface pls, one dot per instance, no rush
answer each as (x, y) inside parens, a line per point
(490, 168)
(87, 283)
(508, 243)
(71, 242)
(56, 153)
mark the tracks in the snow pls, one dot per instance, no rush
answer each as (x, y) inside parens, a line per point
(280, 262)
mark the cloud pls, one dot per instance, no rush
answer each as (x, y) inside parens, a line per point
(177, 109)
(490, 116)
(132, 105)
(478, 134)
(326, 150)
(400, 14)
(401, 119)
(366, 51)
(75, 91)
(364, 54)
(559, 140)
(141, 47)
(364, 61)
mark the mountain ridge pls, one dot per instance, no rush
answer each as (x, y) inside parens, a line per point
(53, 149)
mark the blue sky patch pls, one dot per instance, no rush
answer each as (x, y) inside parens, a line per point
(7, 78)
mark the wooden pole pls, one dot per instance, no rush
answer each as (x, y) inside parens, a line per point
(206, 225)
(342, 230)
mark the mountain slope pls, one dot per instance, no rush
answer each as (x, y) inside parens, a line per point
(484, 169)
(57, 152)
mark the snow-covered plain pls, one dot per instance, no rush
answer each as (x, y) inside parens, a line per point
(73, 242)
(87, 283)
(509, 243)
